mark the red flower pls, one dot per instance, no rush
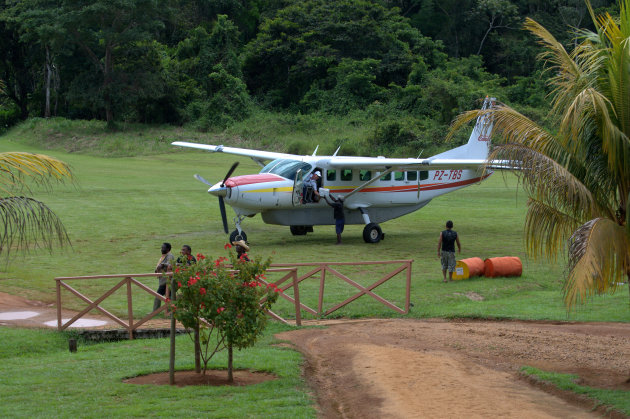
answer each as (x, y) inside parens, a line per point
(227, 246)
(220, 309)
(189, 257)
(179, 284)
(176, 270)
(202, 291)
(200, 256)
(168, 300)
(243, 257)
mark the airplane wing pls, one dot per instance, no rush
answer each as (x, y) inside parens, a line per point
(381, 163)
(254, 154)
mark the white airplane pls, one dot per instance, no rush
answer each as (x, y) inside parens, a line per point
(373, 189)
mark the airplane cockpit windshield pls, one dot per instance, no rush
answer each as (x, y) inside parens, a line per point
(286, 168)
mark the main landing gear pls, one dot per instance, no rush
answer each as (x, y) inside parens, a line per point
(300, 230)
(372, 232)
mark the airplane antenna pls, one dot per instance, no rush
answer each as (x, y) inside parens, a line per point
(315, 152)
(335, 153)
(421, 151)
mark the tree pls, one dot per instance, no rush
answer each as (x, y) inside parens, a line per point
(102, 29)
(578, 175)
(303, 42)
(223, 305)
(27, 222)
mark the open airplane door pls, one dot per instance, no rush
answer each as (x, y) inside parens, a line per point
(297, 188)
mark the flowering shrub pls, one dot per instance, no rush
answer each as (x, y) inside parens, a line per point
(220, 300)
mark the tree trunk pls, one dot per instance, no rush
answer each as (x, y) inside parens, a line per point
(171, 363)
(48, 77)
(230, 375)
(197, 351)
(107, 79)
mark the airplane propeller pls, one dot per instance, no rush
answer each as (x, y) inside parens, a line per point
(221, 202)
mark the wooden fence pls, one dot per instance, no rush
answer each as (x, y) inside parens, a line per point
(322, 268)
(290, 280)
(131, 279)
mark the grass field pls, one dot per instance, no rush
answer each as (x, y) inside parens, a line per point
(122, 209)
(39, 377)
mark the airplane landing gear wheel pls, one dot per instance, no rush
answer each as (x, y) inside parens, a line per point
(234, 236)
(372, 233)
(298, 230)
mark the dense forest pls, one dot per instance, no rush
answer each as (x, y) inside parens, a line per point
(413, 65)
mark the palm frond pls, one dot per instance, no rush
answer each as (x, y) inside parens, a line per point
(28, 223)
(17, 168)
(547, 229)
(598, 260)
(547, 181)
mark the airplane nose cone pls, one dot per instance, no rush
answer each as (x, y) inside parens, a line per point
(218, 190)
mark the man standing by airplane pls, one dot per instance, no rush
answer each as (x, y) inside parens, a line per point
(446, 250)
(340, 218)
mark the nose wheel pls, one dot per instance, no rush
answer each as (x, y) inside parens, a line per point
(372, 233)
(235, 236)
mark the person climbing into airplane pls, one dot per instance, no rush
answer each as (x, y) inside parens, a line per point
(338, 214)
(446, 250)
(310, 188)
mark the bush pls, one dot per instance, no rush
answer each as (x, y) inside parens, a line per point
(223, 303)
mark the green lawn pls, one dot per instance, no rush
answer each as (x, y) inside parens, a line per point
(39, 377)
(123, 208)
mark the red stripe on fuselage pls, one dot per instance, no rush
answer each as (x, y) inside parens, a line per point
(251, 179)
(412, 188)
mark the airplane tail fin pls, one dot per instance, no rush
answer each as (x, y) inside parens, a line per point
(478, 145)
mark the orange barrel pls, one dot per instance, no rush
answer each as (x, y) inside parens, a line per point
(467, 268)
(503, 266)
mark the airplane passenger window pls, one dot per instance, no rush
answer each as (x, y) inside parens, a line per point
(424, 175)
(365, 175)
(412, 175)
(399, 176)
(331, 175)
(346, 174)
(386, 177)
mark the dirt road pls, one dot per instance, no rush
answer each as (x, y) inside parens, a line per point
(438, 368)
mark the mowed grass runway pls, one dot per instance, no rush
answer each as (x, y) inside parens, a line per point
(122, 209)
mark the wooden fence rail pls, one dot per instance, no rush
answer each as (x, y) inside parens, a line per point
(288, 281)
(322, 268)
(129, 280)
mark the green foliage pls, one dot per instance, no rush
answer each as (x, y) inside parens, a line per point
(226, 303)
(9, 116)
(300, 48)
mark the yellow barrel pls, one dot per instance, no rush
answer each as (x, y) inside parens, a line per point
(466, 268)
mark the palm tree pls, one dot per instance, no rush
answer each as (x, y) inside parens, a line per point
(578, 175)
(27, 222)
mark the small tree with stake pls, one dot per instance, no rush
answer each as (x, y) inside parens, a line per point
(221, 304)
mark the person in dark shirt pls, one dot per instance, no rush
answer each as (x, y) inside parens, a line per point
(340, 217)
(186, 256)
(446, 250)
(241, 250)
